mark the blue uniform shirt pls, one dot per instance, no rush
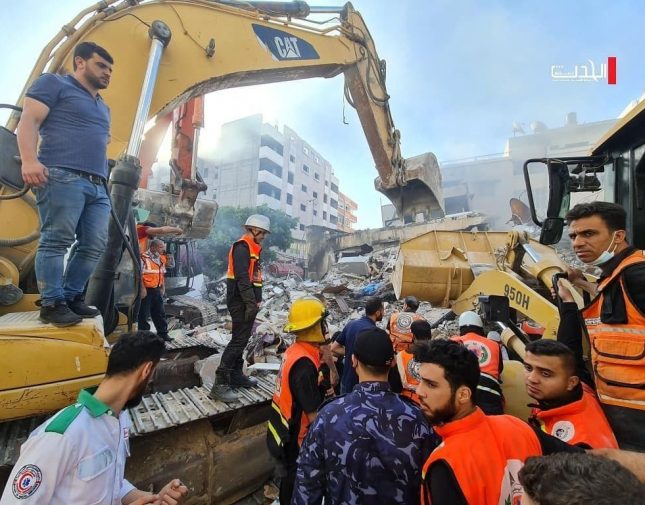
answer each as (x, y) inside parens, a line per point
(346, 339)
(366, 447)
(75, 133)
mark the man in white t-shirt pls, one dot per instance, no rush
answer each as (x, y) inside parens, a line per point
(78, 456)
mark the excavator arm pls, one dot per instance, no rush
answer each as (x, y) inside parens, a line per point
(218, 45)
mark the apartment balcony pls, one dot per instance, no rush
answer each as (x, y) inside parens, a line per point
(269, 201)
(270, 154)
(268, 177)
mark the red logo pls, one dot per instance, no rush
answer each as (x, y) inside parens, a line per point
(27, 481)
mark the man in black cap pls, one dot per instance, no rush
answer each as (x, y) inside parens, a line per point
(368, 445)
(400, 323)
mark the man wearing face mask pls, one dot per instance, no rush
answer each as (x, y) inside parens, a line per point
(615, 318)
(78, 456)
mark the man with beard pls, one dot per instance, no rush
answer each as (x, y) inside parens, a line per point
(480, 456)
(78, 456)
(344, 345)
(67, 172)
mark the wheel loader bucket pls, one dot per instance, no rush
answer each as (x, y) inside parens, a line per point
(167, 209)
(420, 191)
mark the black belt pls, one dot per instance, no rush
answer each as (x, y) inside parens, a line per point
(94, 179)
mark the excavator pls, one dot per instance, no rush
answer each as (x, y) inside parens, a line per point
(166, 53)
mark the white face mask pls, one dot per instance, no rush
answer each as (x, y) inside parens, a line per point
(606, 255)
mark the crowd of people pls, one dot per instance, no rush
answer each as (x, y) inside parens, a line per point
(417, 419)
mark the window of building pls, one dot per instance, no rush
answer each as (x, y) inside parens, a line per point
(324, 216)
(290, 177)
(303, 207)
(334, 187)
(289, 198)
(270, 166)
(333, 219)
(271, 143)
(305, 150)
(333, 203)
(302, 227)
(292, 158)
(315, 212)
(264, 188)
(324, 198)
(315, 195)
(327, 183)
(305, 169)
(317, 176)
(316, 159)
(303, 188)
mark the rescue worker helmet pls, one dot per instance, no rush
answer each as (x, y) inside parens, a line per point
(470, 318)
(412, 302)
(307, 320)
(258, 221)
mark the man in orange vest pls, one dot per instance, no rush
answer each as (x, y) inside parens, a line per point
(148, 230)
(298, 393)
(489, 355)
(243, 299)
(615, 318)
(153, 272)
(480, 456)
(407, 367)
(400, 322)
(566, 408)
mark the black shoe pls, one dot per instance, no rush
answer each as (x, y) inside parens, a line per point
(222, 389)
(78, 306)
(239, 380)
(59, 315)
(165, 337)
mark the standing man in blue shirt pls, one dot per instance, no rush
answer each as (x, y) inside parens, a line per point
(368, 446)
(67, 174)
(344, 345)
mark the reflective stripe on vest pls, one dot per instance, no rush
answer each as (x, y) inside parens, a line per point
(487, 351)
(255, 271)
(410, 374)
(485, 454)
(579, 422)
(618, 350)
(152, 273)
(280, 420)
(400, 332)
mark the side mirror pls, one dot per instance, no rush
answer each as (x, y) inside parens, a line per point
(551, 232)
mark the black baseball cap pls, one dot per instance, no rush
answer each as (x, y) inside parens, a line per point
(374, 347)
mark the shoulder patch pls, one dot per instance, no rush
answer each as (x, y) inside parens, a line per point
(64, 419)
(26, 481)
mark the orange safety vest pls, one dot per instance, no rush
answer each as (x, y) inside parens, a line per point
(579, 422)
(400, 332)
(152, 272)
(281, 416)
(409, 376)
(618, 350)
(485, 454)
(487, 351)
(255, 271)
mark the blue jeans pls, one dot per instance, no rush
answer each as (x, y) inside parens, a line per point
(71, 208)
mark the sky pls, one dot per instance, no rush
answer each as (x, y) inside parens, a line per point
(459, 73)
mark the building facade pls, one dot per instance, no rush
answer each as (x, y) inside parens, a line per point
(346, 213)
(255, 163)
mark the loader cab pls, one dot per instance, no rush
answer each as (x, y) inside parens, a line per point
(614, 172)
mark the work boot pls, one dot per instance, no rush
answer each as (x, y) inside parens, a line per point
(222, 390)
(165, 337)
(78, 306)
(59, 315)
(239, 380)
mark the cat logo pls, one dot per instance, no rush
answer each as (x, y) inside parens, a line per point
(283, 46)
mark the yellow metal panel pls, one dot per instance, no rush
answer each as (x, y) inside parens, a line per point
(42, 399)
(514, 389)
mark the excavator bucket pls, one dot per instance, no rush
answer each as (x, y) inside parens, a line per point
(168, 209)
(420, 191)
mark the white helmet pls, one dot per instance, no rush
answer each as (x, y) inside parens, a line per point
(258, 221)
(470, 318)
